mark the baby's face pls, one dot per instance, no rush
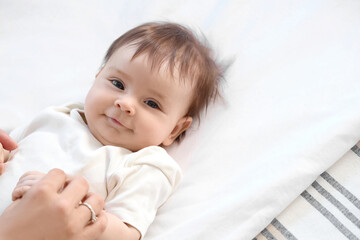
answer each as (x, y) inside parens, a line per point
(132, 106)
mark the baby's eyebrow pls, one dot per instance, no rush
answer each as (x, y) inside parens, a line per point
(158, 95)
(118, 71)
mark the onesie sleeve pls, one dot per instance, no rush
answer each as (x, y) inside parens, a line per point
(136, 191)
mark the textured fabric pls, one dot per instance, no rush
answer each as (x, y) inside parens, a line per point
(134, 185)
(329, 209)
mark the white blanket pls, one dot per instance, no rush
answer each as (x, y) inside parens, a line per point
(328, 209)
(290, 108)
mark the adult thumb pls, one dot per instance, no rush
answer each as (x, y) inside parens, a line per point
(7, 142)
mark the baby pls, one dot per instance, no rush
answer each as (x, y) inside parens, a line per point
(155, 79)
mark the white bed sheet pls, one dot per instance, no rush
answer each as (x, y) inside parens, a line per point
(290, 107)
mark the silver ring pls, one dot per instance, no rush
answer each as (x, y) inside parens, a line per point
(93, 214)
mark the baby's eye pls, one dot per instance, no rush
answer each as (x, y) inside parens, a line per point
(152, 104)
(118, 84)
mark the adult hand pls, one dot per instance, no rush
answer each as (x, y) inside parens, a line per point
(6, 144)
(51, 210)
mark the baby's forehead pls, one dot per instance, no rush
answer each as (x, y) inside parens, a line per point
(172, 68)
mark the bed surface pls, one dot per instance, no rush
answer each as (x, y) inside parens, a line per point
(291, 96)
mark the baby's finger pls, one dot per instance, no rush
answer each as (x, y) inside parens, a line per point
(29, 182)
(19, 192)
(31, 176)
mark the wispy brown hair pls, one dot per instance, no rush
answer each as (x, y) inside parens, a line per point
(176, 47)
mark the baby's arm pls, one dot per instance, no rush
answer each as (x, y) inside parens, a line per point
(117, 229)
(25, 182)
(6, 145)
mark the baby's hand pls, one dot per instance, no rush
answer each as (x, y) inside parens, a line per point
(6, 145)
(25, 183)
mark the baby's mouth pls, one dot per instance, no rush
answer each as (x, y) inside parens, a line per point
(117, 123)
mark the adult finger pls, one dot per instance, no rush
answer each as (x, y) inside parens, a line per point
(2, 168)
(7, 142)
(55, 180)
(2, 154)
(75, 190)
(93, 231)
(93, 201)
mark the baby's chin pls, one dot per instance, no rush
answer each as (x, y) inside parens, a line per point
(127, 145)
(132, 146)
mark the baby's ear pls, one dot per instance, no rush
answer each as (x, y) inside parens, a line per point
(183, 124)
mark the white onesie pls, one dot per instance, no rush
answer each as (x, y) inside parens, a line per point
(133, 184)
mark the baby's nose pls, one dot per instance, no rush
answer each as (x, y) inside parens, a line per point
(126, 105)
